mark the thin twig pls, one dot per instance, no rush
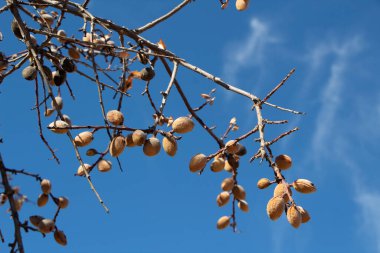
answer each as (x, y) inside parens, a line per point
(162, 18)
(9, 192)
(188, 106)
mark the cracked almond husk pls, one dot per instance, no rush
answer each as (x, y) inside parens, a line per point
(117, 146)
(304, 186)
(104, 165)
(83, 139)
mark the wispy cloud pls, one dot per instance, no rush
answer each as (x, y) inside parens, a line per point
(332, 92)
(248, 51)
(370, 217)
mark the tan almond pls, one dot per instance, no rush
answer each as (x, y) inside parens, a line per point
(129, 141)
(59, 127)
(217, 165)
(42, 200)
(305, 214)
(80, 170)
(294, 216)
(304, 186)
(117, 146)
(170, 145)
(63, 202)
(104, 165)
(263, 183)
(138, 137)
(83, 139)
(280, 191)
(283, 162)
(45, 186)
(183, 125)
(115, 117)
(227, 184)
(223, 222)
(197, 162)
(242, 5)
(223, 198)
(275, 207)
(152, 146)
(243, 205)
(239, 192)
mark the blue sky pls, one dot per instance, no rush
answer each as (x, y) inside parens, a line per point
(156, 204)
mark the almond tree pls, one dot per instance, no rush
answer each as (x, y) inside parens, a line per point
(108, 55)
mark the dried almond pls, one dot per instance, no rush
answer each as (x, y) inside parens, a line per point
(74, 53)
(275, 207)
(59, 102)
(115, 117)
(242, 5)
(80, 171)
(46, 226)
(197, 162)
(227, 184)
(117, 146)
(60, 237)
(217, 165)
(231, 147)
(45, 186)
(138, 137)
(35, 220)
(59, 127)
(147, 74)
(294, 216)
(280, 191)
(129, 141)
(152, 146)
(42, 200)
(104, 165)
(223, 198)
(183, 125)
(283, 162)
(29, 73)
(170, 145)
(263, 183)
(83, 139)
(304, 186)
(239, 192)
(223, 222)
(243, 205)
(305, 214)
(63, 202)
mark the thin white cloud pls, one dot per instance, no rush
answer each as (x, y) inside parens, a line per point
(332, 93)
(369, 202)
(249, 51)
